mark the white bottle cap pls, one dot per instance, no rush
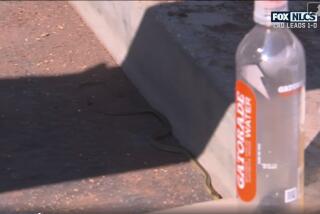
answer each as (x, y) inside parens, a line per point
(263, 9)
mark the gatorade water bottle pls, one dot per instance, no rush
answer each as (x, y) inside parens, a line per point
(270, 88)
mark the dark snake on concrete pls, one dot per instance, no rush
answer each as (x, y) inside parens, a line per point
(158, 137)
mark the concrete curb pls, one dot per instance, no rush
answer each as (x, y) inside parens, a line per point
(172, 54)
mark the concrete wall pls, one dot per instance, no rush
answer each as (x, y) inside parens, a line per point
(166, 76)
(182, 61)
(114, 22)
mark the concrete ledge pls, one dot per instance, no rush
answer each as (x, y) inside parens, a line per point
(181, 58)
(223, 206)
(114, 22)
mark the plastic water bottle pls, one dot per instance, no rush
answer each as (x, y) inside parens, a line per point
(270, 88)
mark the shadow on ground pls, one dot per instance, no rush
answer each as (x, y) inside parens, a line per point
(54, 129)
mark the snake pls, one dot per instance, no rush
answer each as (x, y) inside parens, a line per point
(158, 137)
(157, 144)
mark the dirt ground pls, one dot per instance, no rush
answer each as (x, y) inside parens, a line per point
(59, 152)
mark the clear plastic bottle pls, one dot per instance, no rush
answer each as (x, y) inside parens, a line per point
(270, 88)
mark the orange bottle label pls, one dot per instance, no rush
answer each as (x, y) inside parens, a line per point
(246, 146)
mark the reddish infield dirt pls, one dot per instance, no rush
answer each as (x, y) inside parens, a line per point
(58, 152)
